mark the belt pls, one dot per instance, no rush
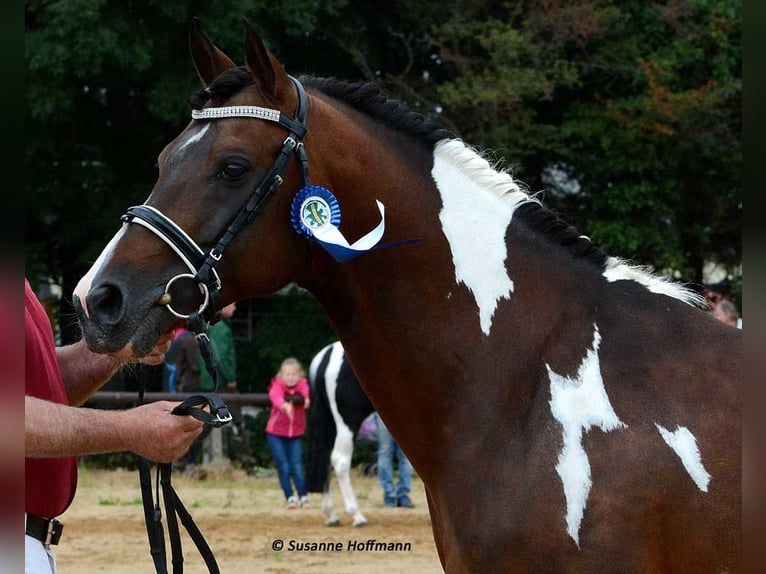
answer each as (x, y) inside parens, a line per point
(46, 530)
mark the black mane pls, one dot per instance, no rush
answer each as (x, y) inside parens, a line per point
(368, 97)
(223, 87)
(542, 220)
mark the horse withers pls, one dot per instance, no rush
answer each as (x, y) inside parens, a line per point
(566, 411)
(338, 409)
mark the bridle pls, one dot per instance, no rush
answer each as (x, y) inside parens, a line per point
(202, 265)
(203, 273)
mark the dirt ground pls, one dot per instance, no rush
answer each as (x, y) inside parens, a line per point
(241, 517)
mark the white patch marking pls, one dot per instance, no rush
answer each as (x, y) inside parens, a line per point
(194, 137)
(83, 286)
(478, 205)
(578, 404)
(683, 442)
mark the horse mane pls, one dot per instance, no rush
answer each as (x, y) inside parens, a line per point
(545, 222)
(223, 87)
(368, 98)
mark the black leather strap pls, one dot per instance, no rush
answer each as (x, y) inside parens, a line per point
(152, 516)
(174, 510)
(218, 415)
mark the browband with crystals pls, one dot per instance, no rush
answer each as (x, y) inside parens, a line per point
(237, 112)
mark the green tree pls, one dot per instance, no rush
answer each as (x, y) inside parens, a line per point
(637, 102)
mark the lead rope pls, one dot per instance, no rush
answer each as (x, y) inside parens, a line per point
(217, 416)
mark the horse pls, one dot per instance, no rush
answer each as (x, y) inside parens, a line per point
(339, 406)
(565, 409)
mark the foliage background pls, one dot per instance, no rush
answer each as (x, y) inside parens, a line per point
(625, 116)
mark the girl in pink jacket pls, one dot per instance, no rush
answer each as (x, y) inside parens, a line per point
(289, 395)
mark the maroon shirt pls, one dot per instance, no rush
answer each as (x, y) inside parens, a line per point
(50, 483)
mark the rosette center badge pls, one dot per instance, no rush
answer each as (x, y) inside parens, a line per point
(315, 213)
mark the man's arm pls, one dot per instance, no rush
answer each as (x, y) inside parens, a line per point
(54, 430)
(84, 372)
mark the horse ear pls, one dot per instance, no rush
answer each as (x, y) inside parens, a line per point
(208, 60)
(262, 63)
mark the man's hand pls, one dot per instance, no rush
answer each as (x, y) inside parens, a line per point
(158, 434)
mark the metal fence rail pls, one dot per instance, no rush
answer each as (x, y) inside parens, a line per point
(131, 397)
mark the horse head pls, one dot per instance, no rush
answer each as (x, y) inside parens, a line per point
(224, 169)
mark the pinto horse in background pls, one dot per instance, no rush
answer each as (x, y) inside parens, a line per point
(338, 409)
(566, 411)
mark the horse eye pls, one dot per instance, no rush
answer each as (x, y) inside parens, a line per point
(233, 171)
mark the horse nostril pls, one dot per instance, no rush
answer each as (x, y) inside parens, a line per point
(105, 303)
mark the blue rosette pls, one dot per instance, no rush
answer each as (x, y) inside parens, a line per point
(315, 214)
(314, 208)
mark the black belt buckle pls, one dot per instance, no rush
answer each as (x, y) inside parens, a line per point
(55, 528)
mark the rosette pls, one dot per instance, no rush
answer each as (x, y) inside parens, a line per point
(315, 214)
(313, 208)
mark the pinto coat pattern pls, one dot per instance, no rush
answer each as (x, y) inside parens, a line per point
(567, 412)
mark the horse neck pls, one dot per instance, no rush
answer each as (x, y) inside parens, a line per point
(411, 316)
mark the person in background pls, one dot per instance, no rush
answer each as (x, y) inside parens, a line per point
(57, 429)
(388, 450)
(726, 311)
(289, 396)
(186, 360)
(171, 359)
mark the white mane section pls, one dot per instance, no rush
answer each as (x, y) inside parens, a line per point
(476, 167)
(478, 204)
(617, 270)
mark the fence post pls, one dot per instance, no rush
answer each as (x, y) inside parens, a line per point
(214, 452)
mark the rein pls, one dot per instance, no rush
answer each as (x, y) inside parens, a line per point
(174, 508)
(202, 272)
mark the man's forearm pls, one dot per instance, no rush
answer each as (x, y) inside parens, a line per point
(83, 371)
(54, 430)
